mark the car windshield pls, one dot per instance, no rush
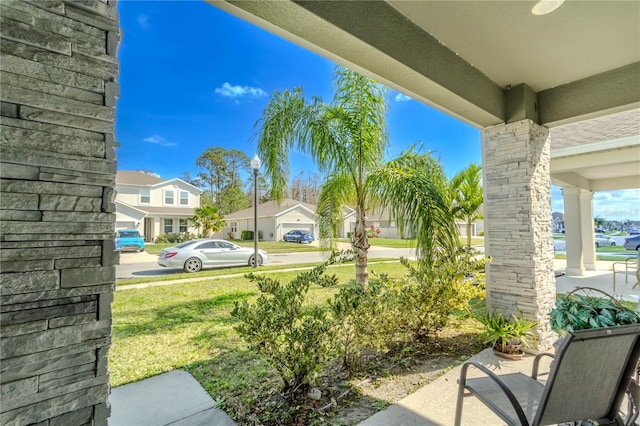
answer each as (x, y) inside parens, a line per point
(128, 234)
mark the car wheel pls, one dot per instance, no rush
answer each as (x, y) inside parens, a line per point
(193, 264)
(613, 244)
(251, 260)
(597, 245)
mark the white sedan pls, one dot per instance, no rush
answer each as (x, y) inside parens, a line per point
(604, 240)
(194, 255)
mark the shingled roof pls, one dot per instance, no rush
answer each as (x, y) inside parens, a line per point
(129, 177)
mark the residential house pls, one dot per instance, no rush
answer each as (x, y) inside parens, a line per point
(386, 227)
(558, 221)
(154, 205)
(274, 220)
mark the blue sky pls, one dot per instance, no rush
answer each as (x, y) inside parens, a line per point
(194, 77)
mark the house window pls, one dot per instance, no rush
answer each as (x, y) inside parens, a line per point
(234, 226)
(145, 196)
(184, 198)
(168, 197)
(167, 226)
(183, 225)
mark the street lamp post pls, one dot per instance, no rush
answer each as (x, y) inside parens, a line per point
(255, 165)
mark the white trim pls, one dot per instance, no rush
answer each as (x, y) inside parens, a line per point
(180, 192)
(141, 193)
(167, 182)
(293, 208)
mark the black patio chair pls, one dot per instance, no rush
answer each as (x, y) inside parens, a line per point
(589, 376)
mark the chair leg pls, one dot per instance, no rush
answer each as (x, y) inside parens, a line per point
(461, 386)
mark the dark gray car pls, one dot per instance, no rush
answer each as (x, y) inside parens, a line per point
(632, 243)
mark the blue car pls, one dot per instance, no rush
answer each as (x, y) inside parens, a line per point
(298, 236)
(129, 240)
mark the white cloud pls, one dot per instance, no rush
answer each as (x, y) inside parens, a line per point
(238, 91)
(159, 140)
(143, 22)
(609, 205)
(401, 97)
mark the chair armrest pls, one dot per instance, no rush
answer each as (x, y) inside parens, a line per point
(536, 363)
(512, 398)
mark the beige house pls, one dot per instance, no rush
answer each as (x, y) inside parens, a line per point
(274, 220)
(154, 205)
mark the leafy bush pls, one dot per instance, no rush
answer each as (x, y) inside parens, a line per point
(174, 238)
(281, 326)
(433, 290)
(364, 319)
(373, 232)
(246, 235)
(579, 311)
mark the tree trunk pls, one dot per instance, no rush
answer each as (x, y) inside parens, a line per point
(360, 245)
(469, 234)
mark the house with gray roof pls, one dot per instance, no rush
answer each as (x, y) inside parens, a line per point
(274, 220)
(153, 205)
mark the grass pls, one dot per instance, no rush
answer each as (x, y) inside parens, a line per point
(230, 270)
(189, 326)
(270, 247)
(409, 243)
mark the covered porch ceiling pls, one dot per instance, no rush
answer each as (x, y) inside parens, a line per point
(491, 62)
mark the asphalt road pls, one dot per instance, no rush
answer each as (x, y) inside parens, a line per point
(140, 265)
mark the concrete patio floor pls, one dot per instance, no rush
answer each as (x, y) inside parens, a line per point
(435, 403)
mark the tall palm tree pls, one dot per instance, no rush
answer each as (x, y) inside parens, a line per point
(466, 188)
(346, 139)
(207, 218)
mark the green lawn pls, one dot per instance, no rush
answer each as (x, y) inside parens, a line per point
(231, 270)
(268, 246)
(409, 243)
(188, 326)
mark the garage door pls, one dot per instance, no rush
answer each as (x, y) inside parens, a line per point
(286, 227)
(123, 224)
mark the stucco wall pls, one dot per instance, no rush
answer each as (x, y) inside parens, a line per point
(59, 88)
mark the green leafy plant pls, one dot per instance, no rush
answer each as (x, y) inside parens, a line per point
(294, 335)
(507, 335)
(580, 311)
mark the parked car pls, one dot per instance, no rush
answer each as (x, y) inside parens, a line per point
(298, 236)
(633, 231)
(632, 243)
(604, 240)
(129, 240)
(192, 256)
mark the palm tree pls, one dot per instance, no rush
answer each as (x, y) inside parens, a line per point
(347, 140)
(208, 219)
(415, 189)
(466, 186)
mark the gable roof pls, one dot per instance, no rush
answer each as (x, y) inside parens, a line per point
(272, 209)
(128, 177)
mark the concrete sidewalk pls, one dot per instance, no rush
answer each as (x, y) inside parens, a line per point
(435, 403)
(173, 398)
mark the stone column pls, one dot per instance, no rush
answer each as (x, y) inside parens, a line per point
(573, 230)
(59, 75)
(517, 192)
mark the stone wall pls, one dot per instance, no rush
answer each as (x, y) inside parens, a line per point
(58, 71)
(517, 198)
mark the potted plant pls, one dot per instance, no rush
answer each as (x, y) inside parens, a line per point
(586, 308)
(508, 336)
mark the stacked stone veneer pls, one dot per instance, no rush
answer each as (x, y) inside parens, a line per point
(59, 84)
(517, 193)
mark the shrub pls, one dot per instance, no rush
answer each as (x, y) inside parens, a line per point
(174, 238)
(364, 319)
(295, 337)
(373, 232)
(246, 235)
(432, 291)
